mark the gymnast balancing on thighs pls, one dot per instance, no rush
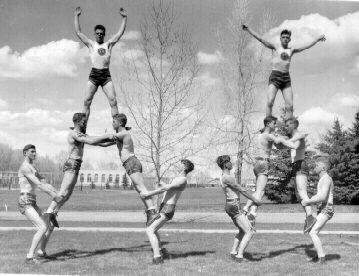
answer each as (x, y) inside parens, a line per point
(279, 78)
(233, 208)
(172, 193)
(29, 180)
(100, 52)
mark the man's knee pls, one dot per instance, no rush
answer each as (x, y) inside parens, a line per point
(87, 102)
(113, 102)
(150, 230)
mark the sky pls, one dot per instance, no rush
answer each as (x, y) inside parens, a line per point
(44, 67)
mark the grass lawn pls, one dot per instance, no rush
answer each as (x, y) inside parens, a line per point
(192, 200)
(189, 254)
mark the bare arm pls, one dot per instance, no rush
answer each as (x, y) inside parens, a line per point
(120, 32)
(230, 181)
(47, 188)
(319, 197)
(92, 140)
(309, 45)
(258, 37)
(81, 36)
(175, 185)
(289, 143)
(105, 144)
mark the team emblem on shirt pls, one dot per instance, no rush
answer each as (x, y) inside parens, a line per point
(101, 51)
(284, 56)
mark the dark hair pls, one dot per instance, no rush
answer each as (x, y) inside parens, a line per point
(121, 118)
(293, 121)
(78, 116)
(189, 166)
(223, 159)
(27, 147)
(325, 160)
(288, 32)
(269, 119)
(100, 27)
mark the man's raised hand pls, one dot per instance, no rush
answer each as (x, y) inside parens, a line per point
(244, 27)
(122, 12)
(322, 38)
(78, 11)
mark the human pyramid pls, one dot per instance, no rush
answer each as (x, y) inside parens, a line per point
(244, 219)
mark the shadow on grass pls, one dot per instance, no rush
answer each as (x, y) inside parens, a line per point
(187, 254)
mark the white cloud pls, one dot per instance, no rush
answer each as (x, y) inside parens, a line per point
(59, 58)
(205, 58)
(131, 35)
(207, 80)
(344, 100)
(3, 104)
(54, 136)
(318, 115)
(45, 101)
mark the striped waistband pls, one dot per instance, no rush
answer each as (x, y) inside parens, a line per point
(232, 199)
(124, 163)
(28, 194)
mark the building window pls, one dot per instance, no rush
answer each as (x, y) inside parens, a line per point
(103, 178)
(110, 178)
(82, 178)
(96, 178)
(89, 178)
(117, 179)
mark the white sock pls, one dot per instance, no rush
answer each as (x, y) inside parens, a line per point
(254, 213)
(150, 208)
(233, 252)
(29, 256)
(50, 210)
(40, 252)
(156, 256)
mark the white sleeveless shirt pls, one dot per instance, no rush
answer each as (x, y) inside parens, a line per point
(100, 55)
(281, 59)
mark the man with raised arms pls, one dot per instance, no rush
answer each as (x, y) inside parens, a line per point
(233, 208)
(29, 181)
(71, 168)
(279, 78)
(300, 170)
(130, 162)
(261, 168)
(172, 193)
(100, 52)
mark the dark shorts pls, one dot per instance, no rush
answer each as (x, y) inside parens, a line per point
(168, 210)
(326, 209)
(281, 80)
(233, 208)
(72, 165)
(100, 77)
(132, 165)
(261, 167)
(26, 201)
(299, 167)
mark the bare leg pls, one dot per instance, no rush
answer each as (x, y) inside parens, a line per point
(45, 240)
(272, 92)
(237, 241)
(288, 99)
(138, 182)
(318, 226)
(35, 218)
(67, 193)
(245, 237)
(301, 185)
(260, 186)
(90, 93)
(153, 235)
(110, 92)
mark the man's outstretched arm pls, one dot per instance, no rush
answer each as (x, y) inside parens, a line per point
(81, 36)
(258, 37)
(92, 140)
(117, 36)
(309, 45)
(233, 184)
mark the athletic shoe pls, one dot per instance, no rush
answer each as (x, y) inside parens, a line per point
(233, 256)
(309, 223)
(152, 216)
(157, 261)
(54, 221)
(164, 253)
(45, 256)
(252, 221)
(313, 259)
(322, 260)
(50, 217)
(32, 261)
(239, 260)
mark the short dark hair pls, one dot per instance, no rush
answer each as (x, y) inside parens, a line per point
(121, 118)
(269, 119)
(325, 160)
(27, 147)
(189, 166)
(100, 27)
(223, 159)
(293, 121)
(288, 32)
(78, 116)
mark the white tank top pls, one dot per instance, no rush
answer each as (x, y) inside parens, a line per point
(329, 200)
(281, 59)
(100, 55)
(228, 191)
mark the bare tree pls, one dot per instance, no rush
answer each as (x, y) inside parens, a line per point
(162, 94)
(243, 71)
(107, 166)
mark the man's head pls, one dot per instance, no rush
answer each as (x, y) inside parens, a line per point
(100, 33)
(187, 166)
(291, 124)
(29, 151)
(322, 163)
(285, 37)
(119, 120)
(270, 122)
(224, 162)
(79, 119)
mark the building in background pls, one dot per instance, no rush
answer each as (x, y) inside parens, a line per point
(103, 178)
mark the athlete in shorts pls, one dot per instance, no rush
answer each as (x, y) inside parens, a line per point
(130, 162)
(300, 168)
(233, 208)
(100, 52)
(172, 193)
(325, 208)
(76, 139)
(29, 181)
(279, 78)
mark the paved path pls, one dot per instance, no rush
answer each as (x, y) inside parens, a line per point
(182, 217)
(205, 231)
